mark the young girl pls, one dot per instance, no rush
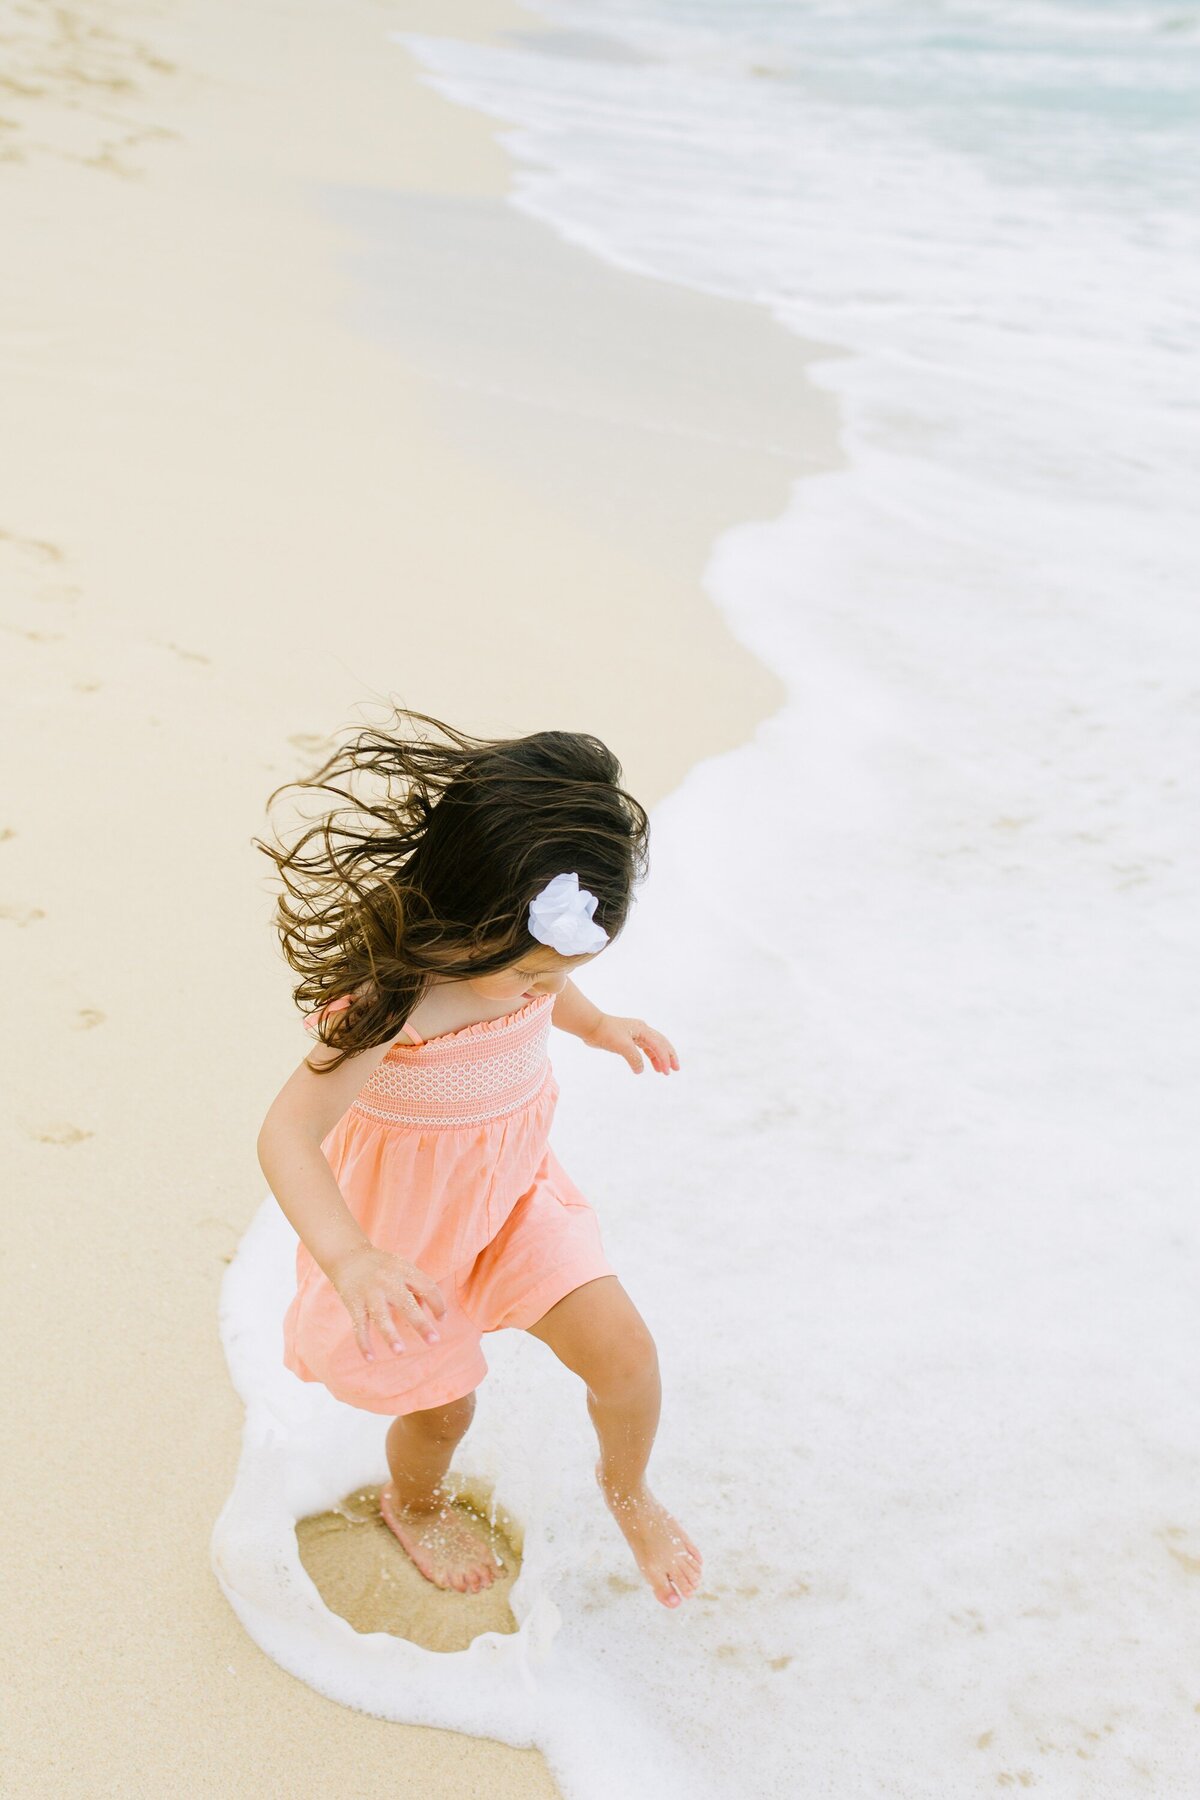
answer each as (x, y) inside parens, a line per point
(435, 926)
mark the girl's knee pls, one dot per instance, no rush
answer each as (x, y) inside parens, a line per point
(600, 1335)
(623, 1365)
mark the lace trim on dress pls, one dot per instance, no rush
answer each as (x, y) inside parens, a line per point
(482, 1071)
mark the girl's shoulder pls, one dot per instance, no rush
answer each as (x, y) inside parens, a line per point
(406, 1035)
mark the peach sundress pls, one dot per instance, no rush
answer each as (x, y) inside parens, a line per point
(443, 1158)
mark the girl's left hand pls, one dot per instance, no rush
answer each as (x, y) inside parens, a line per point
(624, 1036)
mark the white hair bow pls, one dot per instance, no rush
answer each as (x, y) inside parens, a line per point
(561, 916)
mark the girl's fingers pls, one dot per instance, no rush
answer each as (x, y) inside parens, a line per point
(431, 1297)
(429, 1318)
(405, 1313)
(658, 1050)
(391, 1300)
(405, 1304)
(387, 1327)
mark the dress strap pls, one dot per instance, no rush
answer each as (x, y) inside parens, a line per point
(313, 1019)
(414, 1035)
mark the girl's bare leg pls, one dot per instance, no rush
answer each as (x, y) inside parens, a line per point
(599, 1333)
(439, 1540)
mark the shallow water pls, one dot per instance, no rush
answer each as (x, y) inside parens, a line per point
(915, 1225)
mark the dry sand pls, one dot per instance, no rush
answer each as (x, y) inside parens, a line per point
(272, 452)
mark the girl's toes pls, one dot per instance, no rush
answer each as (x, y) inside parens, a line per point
(684, 1579)
(666, 1593)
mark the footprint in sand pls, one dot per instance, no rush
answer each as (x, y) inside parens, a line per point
(66, 85)
(61, 1133)
(36, 637)
(189, 655)
(6, 832)
(25, 562)
(1183, 1545)
(87, 1016)
(34, 550)
(308, 740)
(364, 1575)
(21, 915)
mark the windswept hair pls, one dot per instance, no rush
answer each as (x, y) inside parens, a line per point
(429, 856)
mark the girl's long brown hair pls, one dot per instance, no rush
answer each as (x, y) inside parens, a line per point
(428, 861)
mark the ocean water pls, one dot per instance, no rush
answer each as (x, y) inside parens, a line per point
(916, 1226)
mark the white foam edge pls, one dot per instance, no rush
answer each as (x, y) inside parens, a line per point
(301, 1452)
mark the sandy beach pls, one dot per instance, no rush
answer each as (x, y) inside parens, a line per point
(289, 389)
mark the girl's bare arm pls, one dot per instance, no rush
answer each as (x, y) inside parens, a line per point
(629, 1038)
(302, 1114)
(574, 1012)
(378, 1289)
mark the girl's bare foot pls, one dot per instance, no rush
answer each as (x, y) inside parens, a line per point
(662, 1549)
(441, 1544)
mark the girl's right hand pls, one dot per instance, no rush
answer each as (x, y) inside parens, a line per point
(374, 1284)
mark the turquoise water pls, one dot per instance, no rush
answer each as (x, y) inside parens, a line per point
(1005, 197)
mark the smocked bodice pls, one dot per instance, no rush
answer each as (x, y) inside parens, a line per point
(483, 1071)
